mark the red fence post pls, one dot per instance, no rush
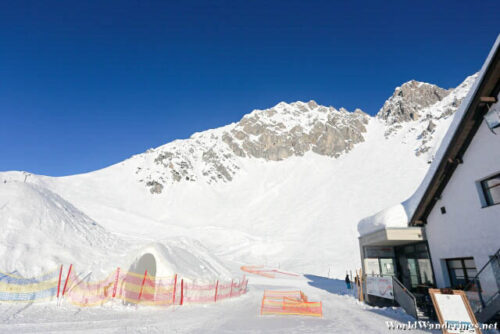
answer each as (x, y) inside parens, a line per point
(116, 281)
(216, 288)
(67, 277)
(182, 290)
(142, 285)
(175, 288)
(231, 291)
(59, 282)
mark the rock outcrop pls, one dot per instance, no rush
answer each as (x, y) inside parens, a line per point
(414, 112)
(407, 101)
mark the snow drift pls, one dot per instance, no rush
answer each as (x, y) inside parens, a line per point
(41, 230)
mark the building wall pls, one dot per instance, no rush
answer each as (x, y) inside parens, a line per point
(466, 229)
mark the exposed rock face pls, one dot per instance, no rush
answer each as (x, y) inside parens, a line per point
(273, 134)
(414, 112)
(294, 129)
(409, 100)
(419, 108)
(155, 187)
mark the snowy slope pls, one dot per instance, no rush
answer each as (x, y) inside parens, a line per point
(40, 230)
(284, 186)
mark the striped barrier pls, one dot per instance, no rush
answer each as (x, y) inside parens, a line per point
(262, 271)
(129, 287)
(19, 289)
(143, 289)
(289, 303)
(196, 293)
(82, 293)
(147, 290)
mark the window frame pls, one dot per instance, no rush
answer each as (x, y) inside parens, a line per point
(462, 267)
(485, 190)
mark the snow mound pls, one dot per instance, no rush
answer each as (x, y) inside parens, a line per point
(183, 256)
(41, 230)
(394, 216)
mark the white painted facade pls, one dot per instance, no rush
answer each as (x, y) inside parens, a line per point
(467, 229)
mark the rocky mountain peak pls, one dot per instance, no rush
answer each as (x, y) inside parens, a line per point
(295, 129)
(409, 99)
(277, 133)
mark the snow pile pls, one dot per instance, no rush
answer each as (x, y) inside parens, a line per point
(41, 230)
(394, 216)
(186, 257)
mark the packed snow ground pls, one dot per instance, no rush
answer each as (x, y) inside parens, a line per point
(342, 313)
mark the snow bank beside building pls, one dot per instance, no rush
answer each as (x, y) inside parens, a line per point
(394, 216)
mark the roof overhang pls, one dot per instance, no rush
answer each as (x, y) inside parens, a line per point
(393, 236)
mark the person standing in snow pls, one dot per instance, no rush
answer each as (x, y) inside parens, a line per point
(348, 282)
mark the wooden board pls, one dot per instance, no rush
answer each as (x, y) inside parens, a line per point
(453, 306)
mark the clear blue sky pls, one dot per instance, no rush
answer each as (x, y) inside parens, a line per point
(85, 84)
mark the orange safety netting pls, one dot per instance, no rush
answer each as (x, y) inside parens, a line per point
(198, 293)
(144, 289)
(262, 271)
(289, 303)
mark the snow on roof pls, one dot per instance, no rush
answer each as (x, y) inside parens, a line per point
(400, 214)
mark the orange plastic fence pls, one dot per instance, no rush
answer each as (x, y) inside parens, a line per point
(289, 303)
(262, 271)
(144, 289)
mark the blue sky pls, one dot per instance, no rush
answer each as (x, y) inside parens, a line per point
(85, 84)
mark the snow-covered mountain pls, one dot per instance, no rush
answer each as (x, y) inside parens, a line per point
(284, 186)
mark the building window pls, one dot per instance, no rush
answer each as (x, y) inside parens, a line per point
(461, 271)
(491, 190)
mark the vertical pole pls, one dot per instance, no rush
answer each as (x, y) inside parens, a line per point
(262, 304)
(361, 279)
(59, 282)
(116, 281)
(175, 288)
(67, 278)
(216, 288)
(231, 291)
(142, 285)
(182, 290)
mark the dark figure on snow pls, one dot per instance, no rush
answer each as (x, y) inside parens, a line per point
(348, 282)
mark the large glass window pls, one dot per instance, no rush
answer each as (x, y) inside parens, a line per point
(491, 190)
(461, 271)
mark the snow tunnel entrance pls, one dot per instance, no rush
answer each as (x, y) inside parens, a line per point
(145, 262)
(135, 277)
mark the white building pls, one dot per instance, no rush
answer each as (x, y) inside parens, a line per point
(448, 233)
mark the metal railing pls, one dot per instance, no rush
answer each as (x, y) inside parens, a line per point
(404, 298)
(484, 288)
